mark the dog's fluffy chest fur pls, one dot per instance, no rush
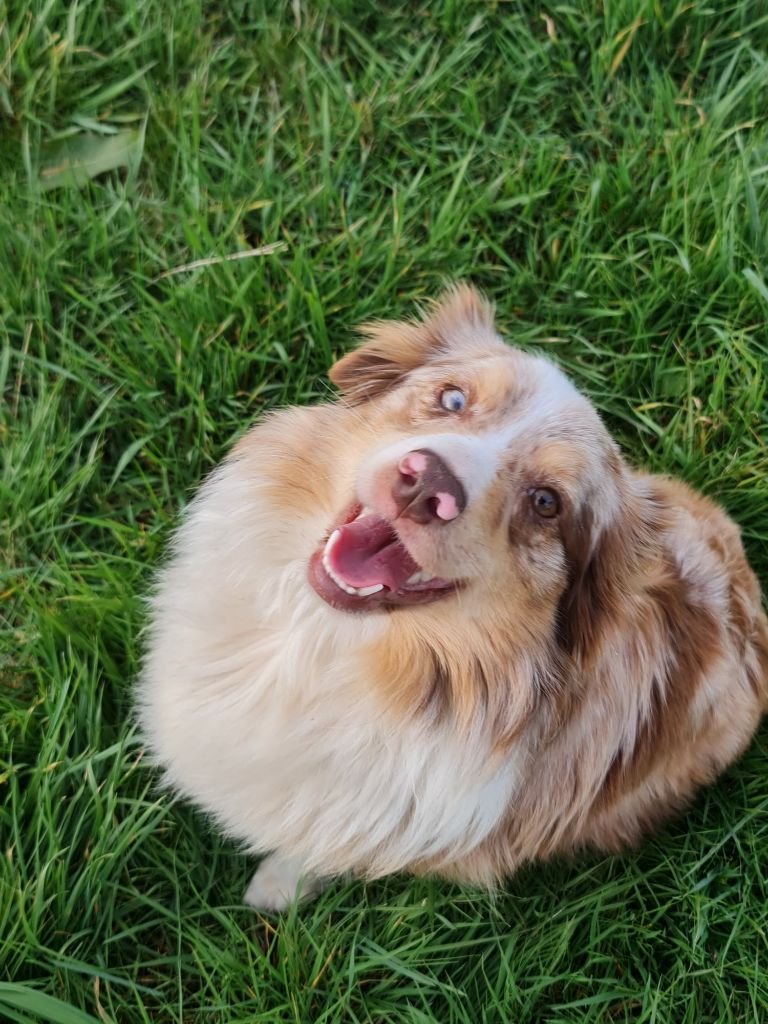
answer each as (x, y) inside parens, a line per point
(266, 717)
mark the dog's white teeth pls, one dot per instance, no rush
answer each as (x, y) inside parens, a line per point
(355, 591)
(419, 577)
(330, 543)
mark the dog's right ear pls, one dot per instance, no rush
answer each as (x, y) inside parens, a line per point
(393, 348)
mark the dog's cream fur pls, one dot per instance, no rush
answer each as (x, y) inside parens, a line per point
(586, 677)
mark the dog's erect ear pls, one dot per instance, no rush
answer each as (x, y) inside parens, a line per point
(393, 348)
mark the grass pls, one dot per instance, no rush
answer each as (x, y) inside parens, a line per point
(603, 175)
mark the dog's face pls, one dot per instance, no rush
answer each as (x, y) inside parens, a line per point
(482, 474)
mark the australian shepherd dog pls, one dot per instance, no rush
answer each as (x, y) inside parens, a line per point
(440, 626)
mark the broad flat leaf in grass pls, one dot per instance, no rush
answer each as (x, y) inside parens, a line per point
(47, 1008)
(73, 161)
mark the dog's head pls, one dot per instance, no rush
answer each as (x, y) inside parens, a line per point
(484, 475)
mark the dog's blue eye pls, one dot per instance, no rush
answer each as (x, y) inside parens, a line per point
(453, 400)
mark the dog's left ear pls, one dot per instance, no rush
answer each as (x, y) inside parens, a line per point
(393, 348)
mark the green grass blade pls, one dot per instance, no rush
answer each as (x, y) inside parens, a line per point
(41, 1005)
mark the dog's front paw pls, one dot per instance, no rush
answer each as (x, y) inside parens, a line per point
(278, 882)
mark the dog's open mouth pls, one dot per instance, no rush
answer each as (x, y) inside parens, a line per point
(364, 565)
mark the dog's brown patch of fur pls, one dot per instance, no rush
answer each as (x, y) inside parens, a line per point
(690, 633)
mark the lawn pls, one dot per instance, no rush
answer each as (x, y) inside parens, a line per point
(600, 169)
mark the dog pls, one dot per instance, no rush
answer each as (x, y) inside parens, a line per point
(440, 626)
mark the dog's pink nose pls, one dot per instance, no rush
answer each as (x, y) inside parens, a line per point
(426, 490)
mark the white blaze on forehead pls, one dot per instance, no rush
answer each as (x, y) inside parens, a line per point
(552, 394)
(473, 455)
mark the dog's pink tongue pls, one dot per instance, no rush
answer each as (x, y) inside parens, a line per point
(367, 551)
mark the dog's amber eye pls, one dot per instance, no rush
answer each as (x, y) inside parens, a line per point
(453, 400)
(545, 502)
